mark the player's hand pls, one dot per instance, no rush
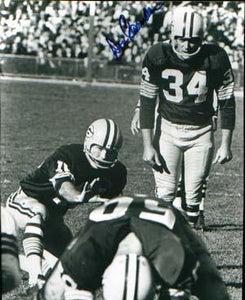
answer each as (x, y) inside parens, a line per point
(135, 123)
(88, 191)
(151, 158)
(98, 199)
(223, 155)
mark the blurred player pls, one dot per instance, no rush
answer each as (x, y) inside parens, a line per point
(73, 174)
(184, 74)
(130, 245)
(10, 270)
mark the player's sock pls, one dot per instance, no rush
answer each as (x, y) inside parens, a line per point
(192, 214)
(179, 201)
(204, 189)
(33, 248)
(48, 262)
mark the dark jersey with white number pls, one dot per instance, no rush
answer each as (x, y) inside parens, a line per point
(69, 163)
(186, 88)
(167, 241)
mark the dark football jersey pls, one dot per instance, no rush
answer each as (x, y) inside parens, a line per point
(186, 88)
(166, 238)
(69, 163)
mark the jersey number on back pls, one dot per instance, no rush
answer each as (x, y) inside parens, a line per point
(120, 206)
(196, 86)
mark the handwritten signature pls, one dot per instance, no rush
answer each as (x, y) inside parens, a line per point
(130, 30)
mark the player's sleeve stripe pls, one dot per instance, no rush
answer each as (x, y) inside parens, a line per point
(225, 96)
(224, 88)
(60, 177)
(34, 230)
(226, 92)
(147, 95)
(148, 85)
(148, 90)
(32, 245)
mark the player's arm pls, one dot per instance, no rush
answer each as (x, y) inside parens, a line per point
(148, 96)
(135, 123)
(68, 191)
(226, 103)
(63, 180)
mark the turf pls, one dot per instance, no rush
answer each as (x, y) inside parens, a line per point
(36, 118)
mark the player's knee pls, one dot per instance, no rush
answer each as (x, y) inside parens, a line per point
(23, 208)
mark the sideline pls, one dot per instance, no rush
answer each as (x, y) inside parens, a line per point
(76, 82)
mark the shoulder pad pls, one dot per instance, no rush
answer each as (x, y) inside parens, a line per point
(157, 53)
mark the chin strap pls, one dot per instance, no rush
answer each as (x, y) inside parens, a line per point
(96, 163)
(185, 56)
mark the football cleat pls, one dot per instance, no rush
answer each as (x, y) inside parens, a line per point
(128, 277)
(201, 221)
(187, 31)
(102, 143)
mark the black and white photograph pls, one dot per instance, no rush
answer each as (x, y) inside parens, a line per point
(122, 150)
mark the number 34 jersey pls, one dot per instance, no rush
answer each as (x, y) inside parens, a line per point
(166, 238)
(186, 88)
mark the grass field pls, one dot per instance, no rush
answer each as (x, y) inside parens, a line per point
(36, 118)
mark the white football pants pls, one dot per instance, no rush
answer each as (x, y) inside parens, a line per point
(193, 143)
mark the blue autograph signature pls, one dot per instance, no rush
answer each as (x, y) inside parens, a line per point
(130, 30)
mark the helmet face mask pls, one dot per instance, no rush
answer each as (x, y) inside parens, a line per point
(102, 143)
(103, 156)
(186, 47)
(186, 32)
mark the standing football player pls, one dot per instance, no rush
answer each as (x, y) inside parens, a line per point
(180, 201)
(184, 74)
(73, 174)
(130, 245)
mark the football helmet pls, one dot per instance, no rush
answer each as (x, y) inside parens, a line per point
(102, 143)
(187, 31)
(128, 277)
